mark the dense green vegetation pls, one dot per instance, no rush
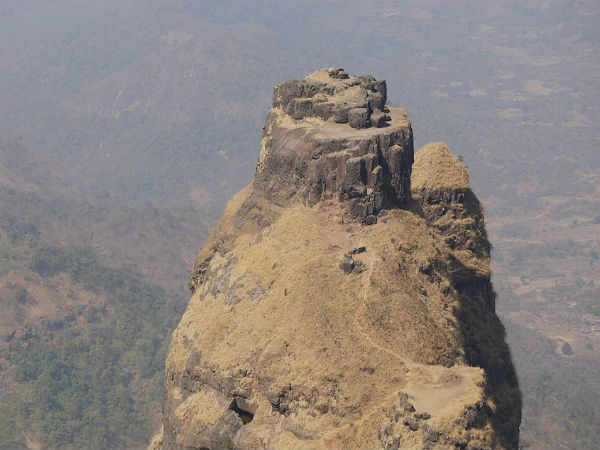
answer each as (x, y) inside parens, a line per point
(92, 385)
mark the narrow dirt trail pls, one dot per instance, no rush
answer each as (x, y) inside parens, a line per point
(432, 388)
(436, 389)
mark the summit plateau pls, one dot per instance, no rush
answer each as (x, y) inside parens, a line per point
(344, 300)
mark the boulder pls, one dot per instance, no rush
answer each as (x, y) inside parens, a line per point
(347, 264)
(359, 118)
(429, 434)
(411, 423)
(379, 118)
(333, 93)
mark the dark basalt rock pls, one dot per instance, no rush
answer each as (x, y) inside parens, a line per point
(429, 434)
(411, 423)
(405, 403)
(379, 118)
(346, 98)
(338, 73)
(359, 118)
(370, 220)
(347, 264)
(341, 116)
(342, 155)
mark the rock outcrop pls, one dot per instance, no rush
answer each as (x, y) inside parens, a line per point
(331, 307)
(308, 153)
(441, 187)
(332, 93)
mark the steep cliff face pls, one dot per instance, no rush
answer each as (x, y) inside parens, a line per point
(333, 309)
(308, 152)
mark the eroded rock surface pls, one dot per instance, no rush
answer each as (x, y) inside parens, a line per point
(332, 93)
(332, 309)
(318, 142)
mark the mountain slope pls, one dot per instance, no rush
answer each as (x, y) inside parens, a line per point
(82, 337)
(82, 347)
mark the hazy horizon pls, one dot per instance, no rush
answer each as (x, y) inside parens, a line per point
(126, 126)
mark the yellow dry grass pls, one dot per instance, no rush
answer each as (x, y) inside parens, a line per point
(157, 440)
(277, 305)
(201, 407)
(436, 167)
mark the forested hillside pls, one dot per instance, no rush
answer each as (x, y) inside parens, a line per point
(91, 376)
(85, 324)
(83, 344)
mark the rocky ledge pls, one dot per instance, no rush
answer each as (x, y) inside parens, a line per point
(332, 93)
(332, 134)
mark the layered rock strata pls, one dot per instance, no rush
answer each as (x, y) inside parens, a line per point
(326, 316)
(332, 93)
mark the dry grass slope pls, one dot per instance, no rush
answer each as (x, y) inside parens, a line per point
(436, 167)
(320, 354)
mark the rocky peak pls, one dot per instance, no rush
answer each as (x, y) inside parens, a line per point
(308, 330)
(332, 93)
(436, 168)
(331, 134)
(440, 184)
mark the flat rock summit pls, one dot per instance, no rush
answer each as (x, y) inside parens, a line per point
(332, 133)
(344, 300)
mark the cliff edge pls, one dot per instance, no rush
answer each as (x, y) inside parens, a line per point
(337, 304)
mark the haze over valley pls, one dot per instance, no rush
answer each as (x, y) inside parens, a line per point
(125, 127)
